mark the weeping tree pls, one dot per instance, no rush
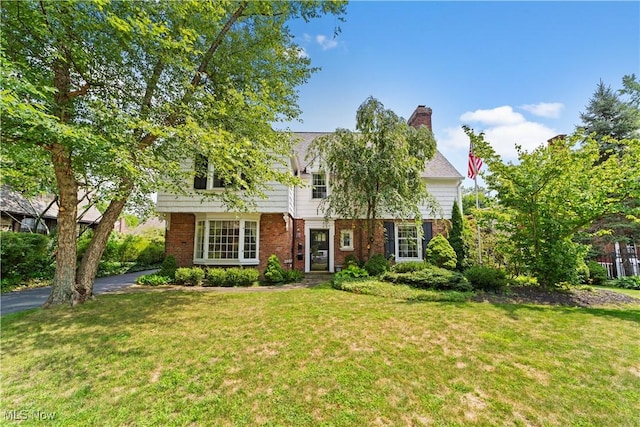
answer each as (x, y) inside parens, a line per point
(554, 192)
(116, 95)
(376, 170)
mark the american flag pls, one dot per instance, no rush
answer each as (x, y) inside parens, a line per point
(475, 163)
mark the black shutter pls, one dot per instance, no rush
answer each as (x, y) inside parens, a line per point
(201, 169)
(427, 230)
(389, 239)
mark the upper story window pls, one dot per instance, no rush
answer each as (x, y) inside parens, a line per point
(205, 177)
(318, 185)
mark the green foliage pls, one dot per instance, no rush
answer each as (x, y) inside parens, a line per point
(153, 253)
(370, 286)
(152, 280)
(597, 273)
(457, 239)
(169, 267)
(378, 167)
(350, 273)
(431, 277)
(627, 282)
(274, 272)
(552, 193)
(189, 276)
(486, 278)
(291, 276)
(409, 266)
(231, 276)
(522, 280)
(440, 253)
(24, 256)
(376, 265)
(113, 268)
(351, 259)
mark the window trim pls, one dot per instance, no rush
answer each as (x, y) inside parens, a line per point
(212, 181)
(204, 240)
(314, 186)
(398, 258)
(344, 233)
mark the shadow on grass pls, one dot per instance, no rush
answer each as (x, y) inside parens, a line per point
(629, 314)
(99, 324)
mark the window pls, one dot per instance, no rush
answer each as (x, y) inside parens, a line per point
(346, 240)
(205, 178)
(318, 185)
(226, 242)
(408, 243)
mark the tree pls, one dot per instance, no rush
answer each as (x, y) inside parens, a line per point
(457, 238)
(615, 115)
(554, 192)
(118, 95)
(611, 119)
(377, 169)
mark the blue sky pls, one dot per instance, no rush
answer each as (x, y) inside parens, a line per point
(520, 71)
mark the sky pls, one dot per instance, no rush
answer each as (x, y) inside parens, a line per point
(522, 72)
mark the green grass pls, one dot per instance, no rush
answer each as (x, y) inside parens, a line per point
(319, 357)
(631, 292)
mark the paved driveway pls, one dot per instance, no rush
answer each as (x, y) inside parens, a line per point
(30, 298)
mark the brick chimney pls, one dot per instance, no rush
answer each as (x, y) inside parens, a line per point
(421, 117)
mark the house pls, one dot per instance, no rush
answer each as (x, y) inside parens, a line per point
(20, 214)
(290, 223)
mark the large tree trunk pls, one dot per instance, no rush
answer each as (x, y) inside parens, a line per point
(91, 258)
(65, 275)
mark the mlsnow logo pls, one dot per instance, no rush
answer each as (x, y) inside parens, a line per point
(25, 414)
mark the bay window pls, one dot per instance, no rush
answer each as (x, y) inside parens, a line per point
(226, 241)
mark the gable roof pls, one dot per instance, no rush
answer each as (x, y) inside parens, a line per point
(15, 203)
(438, 167)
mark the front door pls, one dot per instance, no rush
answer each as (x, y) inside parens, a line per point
(319, 242)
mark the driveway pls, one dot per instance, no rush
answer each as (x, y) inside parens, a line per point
(30, 298)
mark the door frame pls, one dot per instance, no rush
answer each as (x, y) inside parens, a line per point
(318, 225)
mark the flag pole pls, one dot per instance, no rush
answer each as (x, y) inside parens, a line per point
(475, 181)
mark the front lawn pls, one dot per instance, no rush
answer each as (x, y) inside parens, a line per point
(319, 357)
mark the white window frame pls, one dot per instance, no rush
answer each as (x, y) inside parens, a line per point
(326, 185)
(343, 234)
(203, 225)
(210, 179)
(397, 242)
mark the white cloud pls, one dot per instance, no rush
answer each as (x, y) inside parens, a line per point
(496, 116)
(544, 109)
(503, 129)
(325, 42)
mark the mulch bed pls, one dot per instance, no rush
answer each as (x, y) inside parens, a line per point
(571, 297)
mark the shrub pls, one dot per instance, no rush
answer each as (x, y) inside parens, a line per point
(524, 281)
(189, 276)
(431, 277)
(409, 266)
(152, 280)
(290, 276)
(274, 272)
(350, 273)
(440, 253)
(241, 276)
(216, 277)
(486, 278)
(153, 253)
(24, 256)
(351, 260)
(597, 273)
(376, 265)
(629, 282)
(169, 267)
(112, 268)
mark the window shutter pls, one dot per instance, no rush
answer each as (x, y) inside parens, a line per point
(389, 239)
(427, 230)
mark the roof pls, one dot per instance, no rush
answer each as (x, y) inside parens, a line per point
(437, 167)
(15, 203)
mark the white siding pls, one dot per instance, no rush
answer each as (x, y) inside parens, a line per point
(278, 199)
(445, 191)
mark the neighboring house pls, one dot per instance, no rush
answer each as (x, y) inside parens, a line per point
(290, 224)
(20, 214)
(620, 259)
